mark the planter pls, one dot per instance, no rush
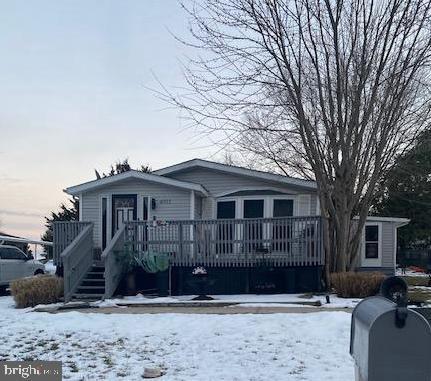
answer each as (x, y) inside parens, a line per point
(131, 283)
(162, 279)
(200, 282)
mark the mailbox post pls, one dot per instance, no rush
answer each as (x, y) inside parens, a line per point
(389, 342)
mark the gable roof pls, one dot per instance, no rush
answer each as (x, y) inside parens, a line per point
(236, 171)
(132, 174)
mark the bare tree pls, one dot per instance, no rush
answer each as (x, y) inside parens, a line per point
(332, 90)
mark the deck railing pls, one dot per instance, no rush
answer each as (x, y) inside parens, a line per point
(77, 259)
(63, 235)
(287, 241)
(114, 267)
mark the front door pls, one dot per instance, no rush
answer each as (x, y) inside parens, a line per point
(123, 210)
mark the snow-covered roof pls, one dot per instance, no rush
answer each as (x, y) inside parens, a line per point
(236, 170)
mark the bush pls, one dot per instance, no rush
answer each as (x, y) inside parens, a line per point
(356, 285)
(39, 289)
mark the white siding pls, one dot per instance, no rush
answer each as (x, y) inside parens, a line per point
(388, 244)
(388, 247)
(178, 207)
(221, 183)
(314, 204)
(217, 182)
(304, 205)
(208, 208)
(198, 208)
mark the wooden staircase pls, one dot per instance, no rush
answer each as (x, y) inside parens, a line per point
(92, 286)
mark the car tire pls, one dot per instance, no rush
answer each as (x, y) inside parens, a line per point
(3, 290)
(39, 272)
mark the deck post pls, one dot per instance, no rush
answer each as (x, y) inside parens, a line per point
(180, 244)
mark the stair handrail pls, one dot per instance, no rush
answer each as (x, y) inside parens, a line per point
(113, 268)
(77, 259)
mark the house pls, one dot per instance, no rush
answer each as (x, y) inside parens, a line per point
(253, 231)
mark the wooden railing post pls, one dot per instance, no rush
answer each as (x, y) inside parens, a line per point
(113, 268)
(180, 243)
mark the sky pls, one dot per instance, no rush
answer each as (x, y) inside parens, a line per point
(75, 95)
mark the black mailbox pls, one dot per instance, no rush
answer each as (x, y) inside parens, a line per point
(389, 342)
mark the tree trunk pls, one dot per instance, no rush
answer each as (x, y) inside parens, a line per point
(327, 242)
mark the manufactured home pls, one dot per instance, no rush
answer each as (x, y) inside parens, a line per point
(252, 231)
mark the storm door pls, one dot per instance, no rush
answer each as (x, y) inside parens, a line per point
(123, 210)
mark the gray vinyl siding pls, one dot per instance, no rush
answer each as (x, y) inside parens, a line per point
(177, 209)
(388, 247)
(89, 203)
(219, 183)
(313, 205)
(388, 242)
(198, 208)
(208, 207)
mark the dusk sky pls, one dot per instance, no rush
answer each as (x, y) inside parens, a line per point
(74, 97)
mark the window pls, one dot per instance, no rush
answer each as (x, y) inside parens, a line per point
(225, 230)
(253, 208)
(145, 209)
(283, 208)
(281, 231)
(226, 209)
(371, 241)
(12, 253)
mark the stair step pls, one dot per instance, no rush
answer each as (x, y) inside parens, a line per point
(94, 275)
(93, 281)
(87, 296)
(91, 287)
(88, 291)
(98, 268)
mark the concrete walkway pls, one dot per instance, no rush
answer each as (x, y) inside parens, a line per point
(217, 310)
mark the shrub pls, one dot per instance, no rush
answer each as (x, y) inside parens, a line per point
(356, 285)
(39, 289)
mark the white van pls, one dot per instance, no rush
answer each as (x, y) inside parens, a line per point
(15, 264)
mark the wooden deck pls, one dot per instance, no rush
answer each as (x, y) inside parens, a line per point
(230, 243)
(292, 241)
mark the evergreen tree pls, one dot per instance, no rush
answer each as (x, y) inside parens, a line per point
(407, 193)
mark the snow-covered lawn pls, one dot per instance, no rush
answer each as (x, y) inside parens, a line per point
(310, 347)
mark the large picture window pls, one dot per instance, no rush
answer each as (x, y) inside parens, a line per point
(283, 208)
(372, 241)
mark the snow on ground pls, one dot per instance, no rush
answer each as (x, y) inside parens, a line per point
(306, 347)
(275, 300)
(408, 272)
